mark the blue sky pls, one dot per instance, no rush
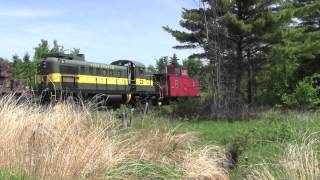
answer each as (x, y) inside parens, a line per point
(104, 30)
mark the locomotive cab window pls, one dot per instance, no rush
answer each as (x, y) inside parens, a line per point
(141, 71)
(119, 73)
(65, 69)
(104, 72)
(91, 71)
(83, 70)
(110, 73)
(98, 71)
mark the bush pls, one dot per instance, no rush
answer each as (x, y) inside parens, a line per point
(304, 95)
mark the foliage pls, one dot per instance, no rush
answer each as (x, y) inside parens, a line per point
(305, 94)
(3, 61)
(238, 32)
(266, 47)
(41, 49)
(194, 66)
(174, 61)
(162, 63)
(151, 69)
(25, 69)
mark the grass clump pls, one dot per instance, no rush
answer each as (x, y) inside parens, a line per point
(140, 169)
(72, 142)
(299, 162)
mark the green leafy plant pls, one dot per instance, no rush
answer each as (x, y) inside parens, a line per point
(305, 94)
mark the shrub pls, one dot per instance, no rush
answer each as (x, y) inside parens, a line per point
(304, 95)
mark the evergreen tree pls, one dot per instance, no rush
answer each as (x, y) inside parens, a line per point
(40, 50)
(18, 70)
(174, 61)
(194, 66)
(307, 11)
(56, 49)
(298, 56)
(162, 63)
(240, 31)
(3, 61)
(151, 69)
(75, 51)
(306, 37)
(29, 70)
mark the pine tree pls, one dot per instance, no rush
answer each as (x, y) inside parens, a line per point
(17, 71)
(308, 13)
(40, 50)
(306, 39)
(194, 66)
(162, 63)
(56, 49)
(241, 31)
(151, 69)
(75, 51)
(174, 61)
(3, 61)
(29, 70)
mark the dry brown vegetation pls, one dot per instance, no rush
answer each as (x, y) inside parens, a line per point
(71, 142)
(299, 162)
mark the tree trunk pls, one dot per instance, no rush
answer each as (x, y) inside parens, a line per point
(239, 70)
(249, 84)
(250, 79)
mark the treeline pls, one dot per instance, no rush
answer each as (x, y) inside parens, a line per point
(256, 52)
(25, 69)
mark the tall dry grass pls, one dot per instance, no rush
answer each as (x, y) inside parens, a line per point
(54, 143)
(299, 162)
(71, 142)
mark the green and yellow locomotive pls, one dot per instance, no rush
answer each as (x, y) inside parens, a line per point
(122, 81)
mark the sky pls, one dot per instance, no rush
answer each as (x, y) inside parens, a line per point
(104, 30)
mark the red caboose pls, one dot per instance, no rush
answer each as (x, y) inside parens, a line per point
(175, 82)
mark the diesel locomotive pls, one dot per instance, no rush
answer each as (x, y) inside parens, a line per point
(123, 81)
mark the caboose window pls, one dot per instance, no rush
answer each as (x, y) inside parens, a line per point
(178, 71)
(177, 83)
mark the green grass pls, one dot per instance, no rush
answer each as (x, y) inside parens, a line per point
(139, 169)
(12, 175)
(258, 140)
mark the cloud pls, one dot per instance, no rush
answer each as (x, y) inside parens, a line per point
(27, 13)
